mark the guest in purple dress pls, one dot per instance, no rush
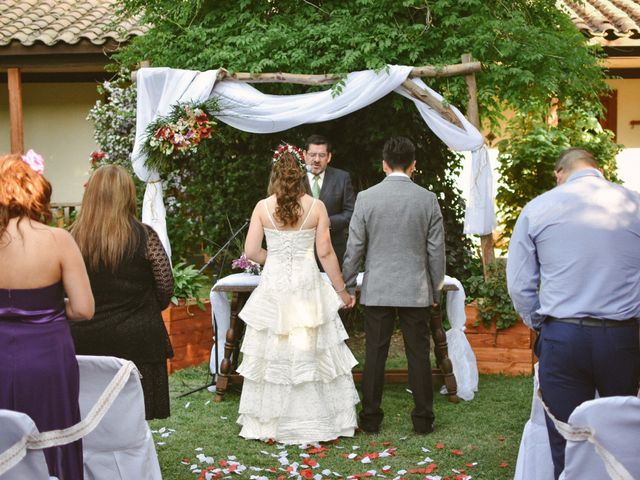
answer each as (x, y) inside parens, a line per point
(39, 265)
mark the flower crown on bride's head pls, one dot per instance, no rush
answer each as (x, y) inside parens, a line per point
(293, 150)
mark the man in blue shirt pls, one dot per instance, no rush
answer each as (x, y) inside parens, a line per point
(573, 273)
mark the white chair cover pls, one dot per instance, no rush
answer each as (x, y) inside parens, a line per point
(615, 425)
(121, 446)
(14, 427)
(534, 457)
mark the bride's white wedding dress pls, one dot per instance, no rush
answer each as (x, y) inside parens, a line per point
(297, 386)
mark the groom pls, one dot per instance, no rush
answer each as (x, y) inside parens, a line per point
(397, 226)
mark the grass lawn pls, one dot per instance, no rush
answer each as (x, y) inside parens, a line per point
(480, 437)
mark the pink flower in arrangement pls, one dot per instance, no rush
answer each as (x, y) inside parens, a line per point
(243, 263)
(34, 160)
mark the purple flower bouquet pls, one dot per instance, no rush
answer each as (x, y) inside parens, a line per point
(243, 263)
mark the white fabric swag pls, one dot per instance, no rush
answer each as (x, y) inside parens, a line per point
(246, 108)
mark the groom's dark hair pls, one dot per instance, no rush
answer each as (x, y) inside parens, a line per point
(399, 152)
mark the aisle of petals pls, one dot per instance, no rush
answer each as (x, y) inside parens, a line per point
(305, 462)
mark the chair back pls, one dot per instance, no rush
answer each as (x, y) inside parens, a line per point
(14, 428)
(615, 425)
(121, 446)
(534, 457)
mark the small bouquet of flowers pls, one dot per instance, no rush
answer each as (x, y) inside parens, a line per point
(243, 263)
(180, 133)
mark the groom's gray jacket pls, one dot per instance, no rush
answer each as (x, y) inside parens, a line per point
(398, 226)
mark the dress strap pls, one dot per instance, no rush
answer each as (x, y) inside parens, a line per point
(308, 213)
(269, 214)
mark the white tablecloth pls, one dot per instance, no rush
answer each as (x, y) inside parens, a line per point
(460, 353)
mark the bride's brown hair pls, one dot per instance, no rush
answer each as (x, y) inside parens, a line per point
(288, 182)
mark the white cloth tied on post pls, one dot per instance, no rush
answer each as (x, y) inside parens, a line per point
(465, 368)
(246, 108)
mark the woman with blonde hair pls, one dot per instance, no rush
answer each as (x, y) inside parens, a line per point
(131, 281)
(297, 385)
(40, 265)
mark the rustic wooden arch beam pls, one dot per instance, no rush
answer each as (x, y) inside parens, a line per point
(330, 78)
(427, 71)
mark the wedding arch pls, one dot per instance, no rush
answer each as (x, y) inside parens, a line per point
(246, 108)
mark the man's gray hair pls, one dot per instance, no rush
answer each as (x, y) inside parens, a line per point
(569, 158)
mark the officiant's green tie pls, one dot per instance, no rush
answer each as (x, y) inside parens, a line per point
(315, 188)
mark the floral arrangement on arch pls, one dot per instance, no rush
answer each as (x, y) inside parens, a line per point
(179, 134)
(243, 263)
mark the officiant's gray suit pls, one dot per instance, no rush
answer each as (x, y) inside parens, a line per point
(397, 226)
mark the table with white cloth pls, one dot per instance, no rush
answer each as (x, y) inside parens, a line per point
(456, 366)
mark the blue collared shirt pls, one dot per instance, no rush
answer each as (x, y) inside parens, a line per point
(580, 244)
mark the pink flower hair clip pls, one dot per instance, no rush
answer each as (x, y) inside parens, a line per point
(34, 160)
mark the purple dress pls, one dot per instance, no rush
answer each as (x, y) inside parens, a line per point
(38, 368)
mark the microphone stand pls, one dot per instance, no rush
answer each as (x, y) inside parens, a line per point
(225, 246)
(215, 322)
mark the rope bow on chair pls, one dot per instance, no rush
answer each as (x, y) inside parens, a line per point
(614, 468)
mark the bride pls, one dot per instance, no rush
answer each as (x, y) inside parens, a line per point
(297, 386)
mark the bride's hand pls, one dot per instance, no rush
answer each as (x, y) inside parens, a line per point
(348, 300)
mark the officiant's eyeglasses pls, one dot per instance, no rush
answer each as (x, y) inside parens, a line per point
(321, 156)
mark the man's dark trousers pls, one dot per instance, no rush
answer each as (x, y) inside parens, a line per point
(379, 324)
(575, 361)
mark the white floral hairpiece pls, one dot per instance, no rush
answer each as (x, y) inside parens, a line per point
(34, 160)
(292, 149)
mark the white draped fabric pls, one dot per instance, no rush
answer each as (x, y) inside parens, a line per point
(465, 368)
(246, 108)
(464, 361)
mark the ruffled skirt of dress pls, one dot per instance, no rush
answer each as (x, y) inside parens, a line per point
(298, 386)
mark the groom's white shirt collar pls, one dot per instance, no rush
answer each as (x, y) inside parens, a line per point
(320, 177)
(398, 174)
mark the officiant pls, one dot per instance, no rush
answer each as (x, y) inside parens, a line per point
(333, 187)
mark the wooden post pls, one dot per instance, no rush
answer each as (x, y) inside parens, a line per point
(486, 241)
(15, 110)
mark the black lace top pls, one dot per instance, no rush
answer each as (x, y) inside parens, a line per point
(128, 321)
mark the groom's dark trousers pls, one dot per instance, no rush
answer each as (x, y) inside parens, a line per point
(379, 323)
